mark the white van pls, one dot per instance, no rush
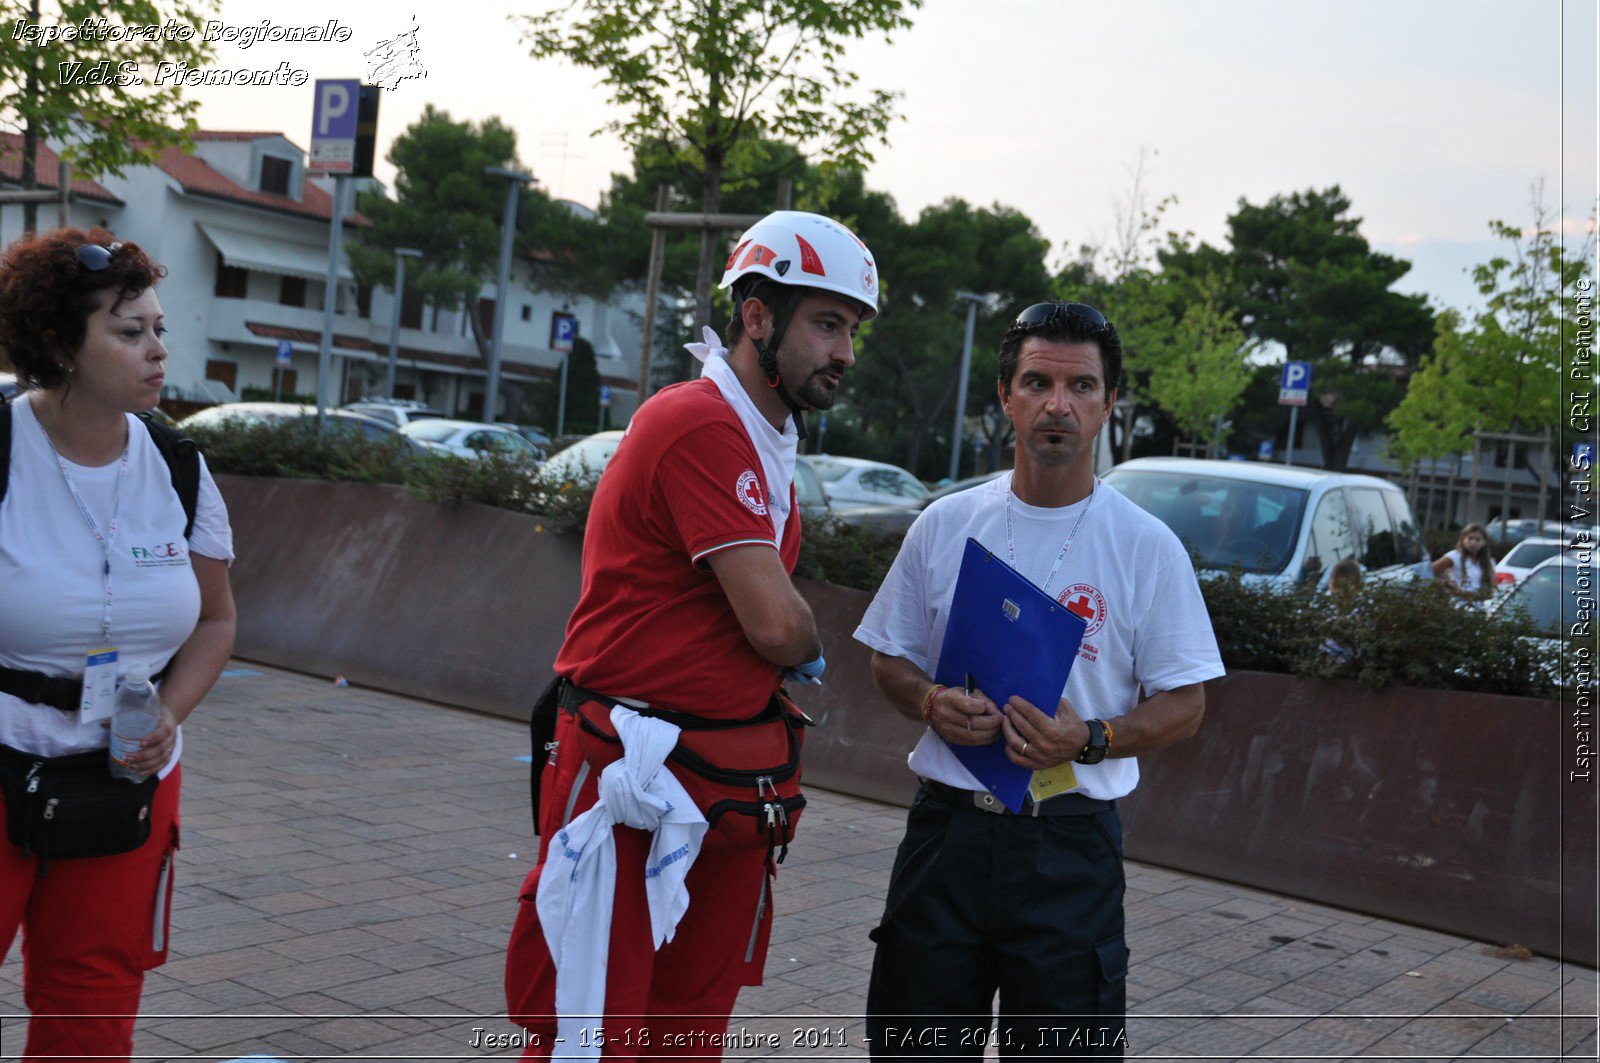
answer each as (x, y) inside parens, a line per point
(1277, 523)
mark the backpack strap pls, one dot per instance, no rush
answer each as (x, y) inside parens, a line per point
(177, 450)
(5, 446)
(183, 462)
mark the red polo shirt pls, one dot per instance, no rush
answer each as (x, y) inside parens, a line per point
(652, 622)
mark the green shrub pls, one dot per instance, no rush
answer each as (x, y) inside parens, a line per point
(293, 448)
(838, 553)
(1386, 634)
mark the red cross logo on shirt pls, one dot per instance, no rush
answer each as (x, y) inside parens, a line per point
(1085, 601)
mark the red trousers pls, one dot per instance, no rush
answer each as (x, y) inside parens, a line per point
(672, 1002)
(91, 927)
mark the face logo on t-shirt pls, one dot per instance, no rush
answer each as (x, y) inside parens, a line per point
(1087, 602)
(749, 492)
(160, 555)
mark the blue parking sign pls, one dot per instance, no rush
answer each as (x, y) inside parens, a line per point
(285, 354)
(563, 330)
(1295, 387)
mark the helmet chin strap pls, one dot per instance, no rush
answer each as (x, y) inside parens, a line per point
(767, 359)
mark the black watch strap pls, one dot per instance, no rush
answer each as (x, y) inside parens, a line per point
(1099, 744)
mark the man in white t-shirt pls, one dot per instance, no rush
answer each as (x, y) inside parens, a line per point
(1030, 905)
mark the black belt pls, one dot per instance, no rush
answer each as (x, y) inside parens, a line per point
(1060, 805)
(58, 692)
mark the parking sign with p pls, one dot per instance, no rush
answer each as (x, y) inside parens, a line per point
(1295, 387)
(334, 116)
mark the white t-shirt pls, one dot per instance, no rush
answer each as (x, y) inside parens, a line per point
(1126, 574)
(1465, 571)
(52, 589)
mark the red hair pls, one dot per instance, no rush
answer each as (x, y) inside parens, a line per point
(47, 295)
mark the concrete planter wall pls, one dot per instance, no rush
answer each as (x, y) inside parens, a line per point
(1448, 810)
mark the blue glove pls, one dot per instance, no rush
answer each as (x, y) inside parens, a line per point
(809, 672)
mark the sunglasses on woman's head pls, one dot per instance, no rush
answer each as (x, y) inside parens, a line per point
(1040, 314)
(95, 257)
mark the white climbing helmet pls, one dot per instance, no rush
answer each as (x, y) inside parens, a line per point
(809, 251)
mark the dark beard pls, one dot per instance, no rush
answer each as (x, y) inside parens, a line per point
(815, 394)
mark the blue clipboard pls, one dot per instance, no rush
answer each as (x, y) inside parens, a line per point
(1015, 640)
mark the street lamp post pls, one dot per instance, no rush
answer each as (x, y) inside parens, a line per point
(515, 179)
(973, 299)
(400, 256)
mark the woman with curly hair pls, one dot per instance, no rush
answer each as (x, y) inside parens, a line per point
(1468, 570)
(107, 563)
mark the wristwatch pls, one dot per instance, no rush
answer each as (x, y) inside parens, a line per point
(1099, 744)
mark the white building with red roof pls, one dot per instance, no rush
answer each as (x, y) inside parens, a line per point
(243, 232)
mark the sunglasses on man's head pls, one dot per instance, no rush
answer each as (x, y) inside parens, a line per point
(95, 257)
(1041, 314)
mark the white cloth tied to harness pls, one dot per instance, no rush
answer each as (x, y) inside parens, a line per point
(577, 887)
(777, 449)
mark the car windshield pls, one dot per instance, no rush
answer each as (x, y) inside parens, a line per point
(1222, 522)
(807, 488)
(434, 431)
(1526, 554)
(1539, 597)
(829, 471)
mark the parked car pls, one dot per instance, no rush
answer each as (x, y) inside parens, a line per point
(583, 461)
(342, 421)
(856, 480)
(1522, 559)
(397, 412)
(471, 439)
(537, 436)
(1501, 532)
(1538, 598)
(897, 518)
(809, 496)
(1277, 523)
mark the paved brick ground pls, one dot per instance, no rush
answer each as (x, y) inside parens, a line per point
(349, 875)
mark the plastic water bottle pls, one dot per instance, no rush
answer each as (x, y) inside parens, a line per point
(138, 709)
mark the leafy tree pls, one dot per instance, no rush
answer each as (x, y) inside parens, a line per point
(1305, 278)
(905, 384)
(444, 206)
(1198, 370)
(713, 77)
(1494, 373)
(47, 95)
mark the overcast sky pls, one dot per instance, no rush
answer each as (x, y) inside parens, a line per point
(1433, 115)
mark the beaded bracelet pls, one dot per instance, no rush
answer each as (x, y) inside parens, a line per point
(927, 701)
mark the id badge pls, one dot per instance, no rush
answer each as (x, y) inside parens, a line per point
(99, 686)
(1053, 781)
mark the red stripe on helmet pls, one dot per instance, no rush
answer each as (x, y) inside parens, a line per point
(735, 254)
(758, 255)
(810, 261)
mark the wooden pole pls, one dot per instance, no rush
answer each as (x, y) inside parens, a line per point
(64, 179)
(1505, 492)
(652, 295)
(1477, 462)
(1544, 469)
(1450, 493)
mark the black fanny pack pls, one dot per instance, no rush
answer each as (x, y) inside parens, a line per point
(745, 770)
(62, 808)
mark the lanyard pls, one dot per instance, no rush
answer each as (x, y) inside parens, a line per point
(106, 538)
(1011, 544)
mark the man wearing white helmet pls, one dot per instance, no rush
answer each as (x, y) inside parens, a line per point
(688, 614)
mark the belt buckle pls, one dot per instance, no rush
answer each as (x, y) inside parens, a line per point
(988, 802)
